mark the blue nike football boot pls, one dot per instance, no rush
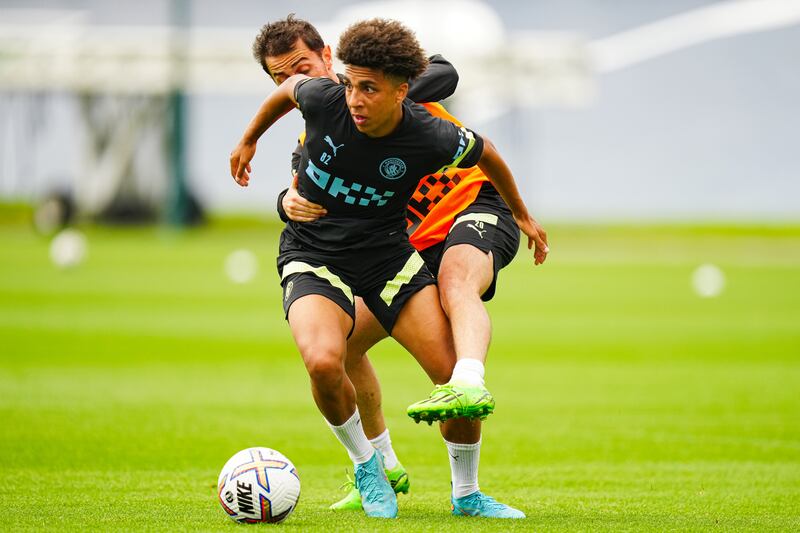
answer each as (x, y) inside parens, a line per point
(377, 496)
(479, 504)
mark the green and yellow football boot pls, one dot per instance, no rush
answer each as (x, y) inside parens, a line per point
(398, 479)
(351, 501)
(453, 400)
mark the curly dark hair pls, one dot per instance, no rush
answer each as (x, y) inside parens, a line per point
(384, 45)
(278, 37)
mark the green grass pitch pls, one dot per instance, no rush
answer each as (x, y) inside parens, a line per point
(624, 401)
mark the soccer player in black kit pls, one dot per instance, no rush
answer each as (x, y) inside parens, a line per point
(365, 151)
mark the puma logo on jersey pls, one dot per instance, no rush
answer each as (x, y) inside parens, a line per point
(478, 229)
(330, 143)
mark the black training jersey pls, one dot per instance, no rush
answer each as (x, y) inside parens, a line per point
(363, 182)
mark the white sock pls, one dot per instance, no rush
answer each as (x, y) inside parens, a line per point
(464, 459)
(384, 444)
(352, 437)
(469, 371)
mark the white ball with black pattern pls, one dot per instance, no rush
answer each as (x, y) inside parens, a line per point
(258, 485)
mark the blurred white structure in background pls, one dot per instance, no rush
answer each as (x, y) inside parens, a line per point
(72, 55)
(66, 53)
(502, 71)
(499, 69)
(717, 21)
(59, 50)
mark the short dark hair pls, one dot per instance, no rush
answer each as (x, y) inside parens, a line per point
(384, 45)
(278, 37)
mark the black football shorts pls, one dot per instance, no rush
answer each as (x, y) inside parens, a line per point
(385, 278)
(486, 224)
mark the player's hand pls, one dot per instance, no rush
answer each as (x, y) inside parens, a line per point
(240, 162)
(536, 237)
(298, 209)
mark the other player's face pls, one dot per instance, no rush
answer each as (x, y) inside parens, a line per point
(301, 60)
(374, 100)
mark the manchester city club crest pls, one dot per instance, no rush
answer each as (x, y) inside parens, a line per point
(393, 168)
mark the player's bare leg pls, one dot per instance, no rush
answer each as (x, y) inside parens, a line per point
(320, 329)
(423, 330)
(465, 274)
(366, 334)
(426, 334)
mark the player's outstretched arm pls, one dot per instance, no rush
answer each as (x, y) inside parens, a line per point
(496, 169)
(276, 105)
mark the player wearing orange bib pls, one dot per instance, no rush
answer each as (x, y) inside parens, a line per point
(440, 197)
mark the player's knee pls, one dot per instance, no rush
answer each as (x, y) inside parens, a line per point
(457, 287)
(324, 365)
(449, 282)
(453, 289)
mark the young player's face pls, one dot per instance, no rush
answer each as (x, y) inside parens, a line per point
(374, 100)
(300, 60)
